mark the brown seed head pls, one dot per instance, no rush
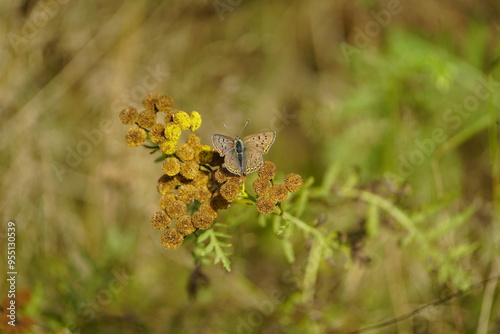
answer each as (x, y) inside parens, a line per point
(129, 116)
(202, 219)
(146, 119)
(185, 225)
(166, 199)
(218, 202)
(261, 186)
(160, 220)
(156, 133)
(175, 209)
(165, 104)
(171, 239)
(278, 193)
(268, 170)
(150, 101)
(293, 182)
(203, 194)
(265, 205)
(186, 193)
(135, 136)
(231, 189)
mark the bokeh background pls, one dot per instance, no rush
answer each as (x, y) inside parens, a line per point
(396, 98)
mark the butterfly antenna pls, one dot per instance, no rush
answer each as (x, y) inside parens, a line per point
(244, 126)
(225, 125)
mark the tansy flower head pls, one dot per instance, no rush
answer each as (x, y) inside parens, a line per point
(261, 186)
(231, 189)
(218, 202)
(156, 133)
(160, 220)
(146, 119)
(194, 185)
(268, 170)
(265, 205)
(150, 101)
(293, 182)
(203, 219)
(194, 141)
(165, 104)
(129, 116)
(135, 136)
(205, 154)
(202, 194)
(168, 146)
(186, 193)
(189, 169)
(173, 132)
(195, 120)
(166, 184)
(278, 193)
(166, 199)
(185, 225)
(171, 239)
(182, 119)
(171, 166)
(175, 208)
(185, 152)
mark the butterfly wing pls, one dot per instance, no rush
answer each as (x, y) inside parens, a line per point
(223, 144)
(233, 164)
(261, 142)
(253, 160)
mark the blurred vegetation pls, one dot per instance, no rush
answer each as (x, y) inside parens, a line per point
(401, 205)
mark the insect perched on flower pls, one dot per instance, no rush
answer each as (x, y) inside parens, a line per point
(244, 156)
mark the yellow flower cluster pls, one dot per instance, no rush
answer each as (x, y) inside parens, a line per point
(194, 185)
(166, 135)
(270, 194)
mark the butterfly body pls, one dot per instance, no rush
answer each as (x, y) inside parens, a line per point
(244, 156)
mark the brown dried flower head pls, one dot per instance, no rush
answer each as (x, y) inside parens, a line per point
(261, 186)
(231, 189)
(150, 101)
(185, 225)
(175, 208)
(186, 193)
(128, 116)
(146, 119)
(166, 184)
(165, 104)
(267, 171)
(278, 193)
(293, 182)
(135, 136)
(203, 219)
(171, 239)
(160, 220)
(265, 205)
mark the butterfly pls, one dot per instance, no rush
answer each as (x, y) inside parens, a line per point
(244, 156)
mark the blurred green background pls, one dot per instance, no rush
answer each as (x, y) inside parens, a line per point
(396, 98)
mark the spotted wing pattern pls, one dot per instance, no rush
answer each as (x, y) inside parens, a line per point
(234, 165)
(253, 161)
(261, 141)
(223, 144)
